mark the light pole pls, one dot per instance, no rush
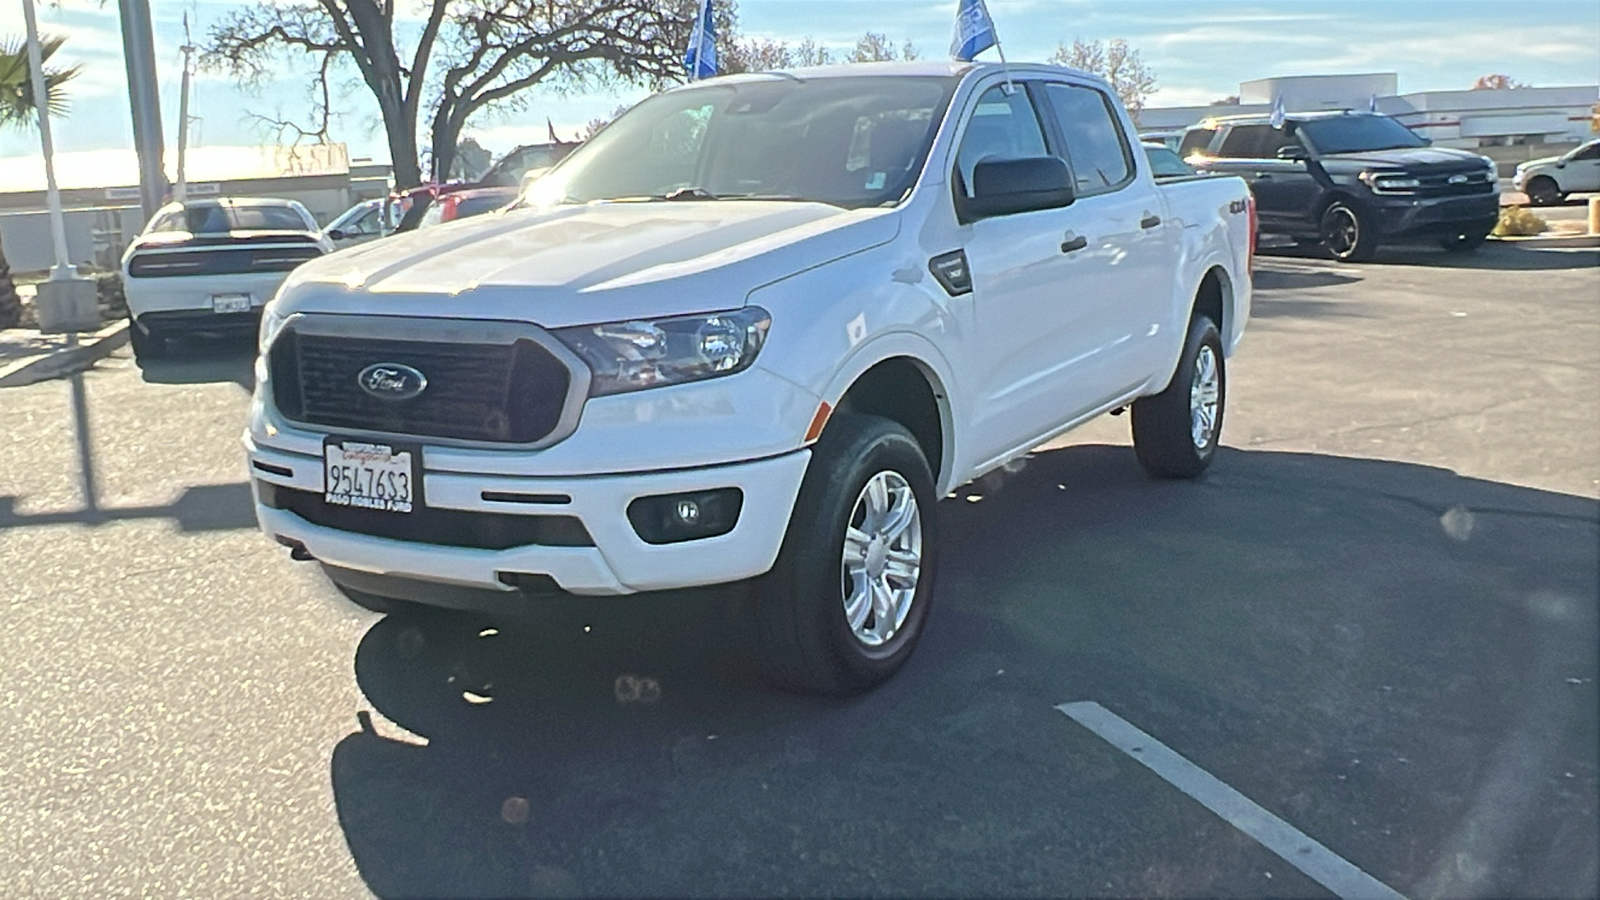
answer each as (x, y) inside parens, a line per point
(139, 55)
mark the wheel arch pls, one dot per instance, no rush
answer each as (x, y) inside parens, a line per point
(907, 387)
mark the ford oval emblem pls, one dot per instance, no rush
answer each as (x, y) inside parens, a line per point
(1458, 179)
(392, 381)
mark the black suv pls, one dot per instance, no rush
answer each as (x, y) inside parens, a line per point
(1349, 180)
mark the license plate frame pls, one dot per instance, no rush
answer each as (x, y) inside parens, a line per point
(227, 304)
(362, 473)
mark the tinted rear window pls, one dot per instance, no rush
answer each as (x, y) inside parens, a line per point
(1197, 140)
(211, 219)
(1254, 142)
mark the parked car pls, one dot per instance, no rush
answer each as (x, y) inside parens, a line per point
(501, 182)
(1351, 181)
(357, 225)
(765, 354)
(466, 204)
(206, 267)
(1166, 138)
(1165, 162)
(1548, 181)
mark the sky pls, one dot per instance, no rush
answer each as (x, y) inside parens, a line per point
(1200, 50)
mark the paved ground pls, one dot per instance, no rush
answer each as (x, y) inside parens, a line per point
(1376, 617)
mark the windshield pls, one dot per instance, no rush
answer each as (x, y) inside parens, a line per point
(851, 141)
(1356, 134)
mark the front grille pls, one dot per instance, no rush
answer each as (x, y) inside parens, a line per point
(425, 525)
(230, 261)
(499, 393)
(1438, 185)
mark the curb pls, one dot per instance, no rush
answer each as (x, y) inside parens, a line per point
(96, 346)
(1548, 242)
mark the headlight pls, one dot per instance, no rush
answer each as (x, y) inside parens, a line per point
(1382, 183)
(632, 356)
(271, 323)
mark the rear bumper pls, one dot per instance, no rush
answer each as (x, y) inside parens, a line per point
(193, 293)
(614, 561)
(1477, 213)
(178, 322)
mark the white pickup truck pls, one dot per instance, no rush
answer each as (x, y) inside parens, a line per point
(754, 329)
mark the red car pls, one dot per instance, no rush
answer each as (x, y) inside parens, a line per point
(495, 189)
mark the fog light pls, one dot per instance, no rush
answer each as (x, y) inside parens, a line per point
(673, 518)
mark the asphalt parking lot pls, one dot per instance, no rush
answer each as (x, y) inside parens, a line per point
(1376, 618)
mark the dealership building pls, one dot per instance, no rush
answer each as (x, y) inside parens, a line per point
(1507, 125)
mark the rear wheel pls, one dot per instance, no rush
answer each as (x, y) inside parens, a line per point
(844, 606)
(145, 346)
(1543, 191)
(1347, 235)
(1176, 432)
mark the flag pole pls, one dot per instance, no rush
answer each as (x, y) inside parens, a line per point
(1010, 87)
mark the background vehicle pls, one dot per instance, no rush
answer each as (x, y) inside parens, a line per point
(1168, 138)
(208, 266)
(1548, 181)
(466, 204)
(356, 225)
(1165, 162)
(500, 183)
(754, 329)
(1351, 181)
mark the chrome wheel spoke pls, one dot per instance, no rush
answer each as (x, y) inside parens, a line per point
(881, 560)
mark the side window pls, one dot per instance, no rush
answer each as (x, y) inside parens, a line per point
(365, 224)
(1196, 140)
(1588, 153)
(1096, 146)
(1003, 126)
(1244, 142)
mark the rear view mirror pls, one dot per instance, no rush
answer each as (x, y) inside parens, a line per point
(1004, 187)
(1292, 152)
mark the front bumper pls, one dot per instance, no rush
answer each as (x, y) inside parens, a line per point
(619, 562)
(1439, 215)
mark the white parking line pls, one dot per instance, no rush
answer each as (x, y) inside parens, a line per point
(1318, 862)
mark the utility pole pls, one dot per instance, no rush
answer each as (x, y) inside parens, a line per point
(41, 100)
(180, 190)
(139, 55)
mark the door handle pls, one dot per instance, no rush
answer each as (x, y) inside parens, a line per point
(1263, 176)
(1077, 243)
(1149, 221)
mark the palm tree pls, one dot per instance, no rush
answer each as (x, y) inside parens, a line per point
(17, 111)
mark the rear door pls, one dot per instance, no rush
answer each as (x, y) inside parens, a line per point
(1582, 170)
(1285, 191)
(1121, 296)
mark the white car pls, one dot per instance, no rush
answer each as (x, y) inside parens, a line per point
(754, 329)
(209, 266)
(357, 225)
(1548, 181)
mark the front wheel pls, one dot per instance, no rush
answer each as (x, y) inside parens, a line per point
(1176, 432)
(1543, 191)
(844, 606)
(1347, 234)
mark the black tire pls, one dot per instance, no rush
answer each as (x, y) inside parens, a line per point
(1348, 234)
(1466, 242)
(145, 346)
(1543, 191)
(804, 640)
(1164, 425)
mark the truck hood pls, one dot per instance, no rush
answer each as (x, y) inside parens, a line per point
(577, 265)
(1536, 163)
(1411, 159)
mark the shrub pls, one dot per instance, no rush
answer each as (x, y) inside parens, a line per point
(1519, 221)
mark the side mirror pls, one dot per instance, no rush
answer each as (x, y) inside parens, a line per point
(1293, 152)
(1561, 164)
(337, 235)
(1005, 187)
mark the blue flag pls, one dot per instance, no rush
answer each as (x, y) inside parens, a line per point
(974, 31)
(1277, 112)
(701, 60)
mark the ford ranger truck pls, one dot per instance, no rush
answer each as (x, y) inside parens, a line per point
(752, 331)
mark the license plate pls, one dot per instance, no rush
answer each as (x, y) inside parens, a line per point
(370, 476)
(230, 303)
